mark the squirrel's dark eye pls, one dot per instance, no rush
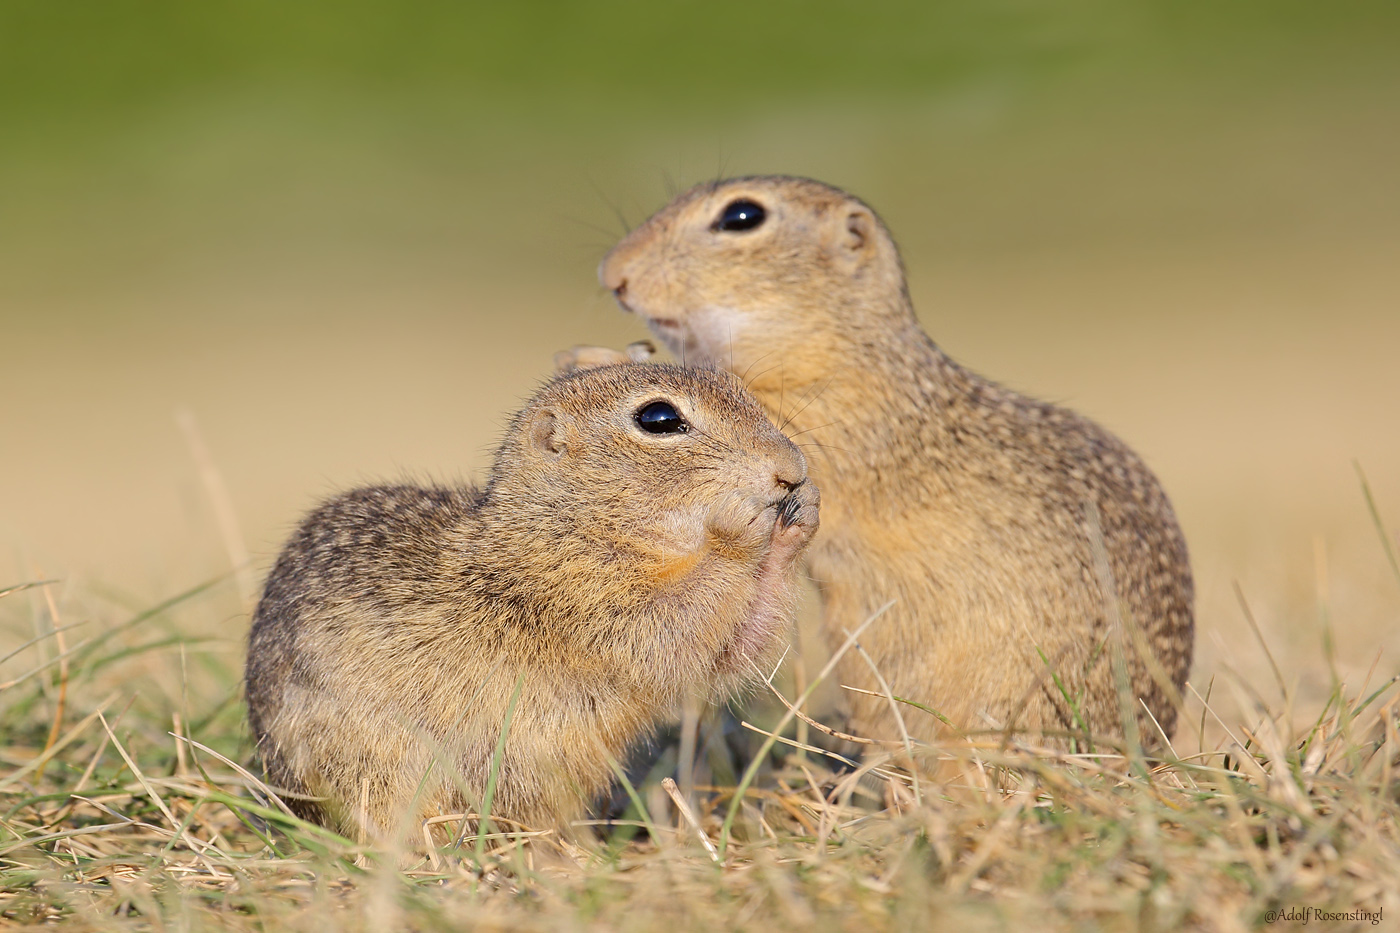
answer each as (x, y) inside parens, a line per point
(739, 216)
(660, 418)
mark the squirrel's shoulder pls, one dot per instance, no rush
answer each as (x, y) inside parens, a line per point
(359, 539)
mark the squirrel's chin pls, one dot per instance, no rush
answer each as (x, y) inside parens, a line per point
(751, 653)
(672, 333)
(697, 334)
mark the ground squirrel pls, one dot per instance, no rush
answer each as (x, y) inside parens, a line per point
(999, 524)
(636, 542)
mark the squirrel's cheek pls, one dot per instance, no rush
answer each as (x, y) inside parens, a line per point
(680, 530)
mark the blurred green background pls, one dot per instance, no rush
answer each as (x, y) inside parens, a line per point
(346, 239)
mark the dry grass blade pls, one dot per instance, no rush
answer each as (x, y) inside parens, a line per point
(196, 845)
(1259, 636)
(21, 587)
(898, 717)
(225, 515)
(243, 772)
(748, 776)
(822, 727)
(669, 785)
(804, 746)
(61, 701)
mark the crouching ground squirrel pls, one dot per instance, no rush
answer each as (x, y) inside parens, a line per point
(1013, 535)
(636, 542)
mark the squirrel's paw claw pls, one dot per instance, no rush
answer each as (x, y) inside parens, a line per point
(799, 515)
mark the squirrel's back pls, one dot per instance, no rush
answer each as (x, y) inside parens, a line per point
(377, 547)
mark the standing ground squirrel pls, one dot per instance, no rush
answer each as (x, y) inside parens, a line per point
(1001, 526)
(637, 541)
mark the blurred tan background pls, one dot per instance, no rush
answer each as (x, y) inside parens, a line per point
(347, 239)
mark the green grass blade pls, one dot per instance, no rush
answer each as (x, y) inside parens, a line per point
(483, 825)
(636, 799)
(1386, 543)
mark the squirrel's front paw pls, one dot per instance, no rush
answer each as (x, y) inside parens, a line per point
(581, 357)
(799, 515)
(741, 521)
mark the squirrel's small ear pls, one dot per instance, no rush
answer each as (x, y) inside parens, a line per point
(546, 434)
(855, 239)
(860, 230)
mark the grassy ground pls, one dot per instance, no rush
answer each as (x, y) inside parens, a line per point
(127, 801)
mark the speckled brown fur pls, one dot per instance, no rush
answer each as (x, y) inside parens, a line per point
(975, 508)
(613, 570)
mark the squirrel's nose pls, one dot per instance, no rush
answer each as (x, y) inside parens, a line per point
(610, 275)
(790, 472)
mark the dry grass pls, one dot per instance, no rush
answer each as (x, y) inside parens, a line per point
(125, 804)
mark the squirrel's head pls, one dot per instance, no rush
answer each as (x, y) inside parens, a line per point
(784, 268)
(638, 453)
